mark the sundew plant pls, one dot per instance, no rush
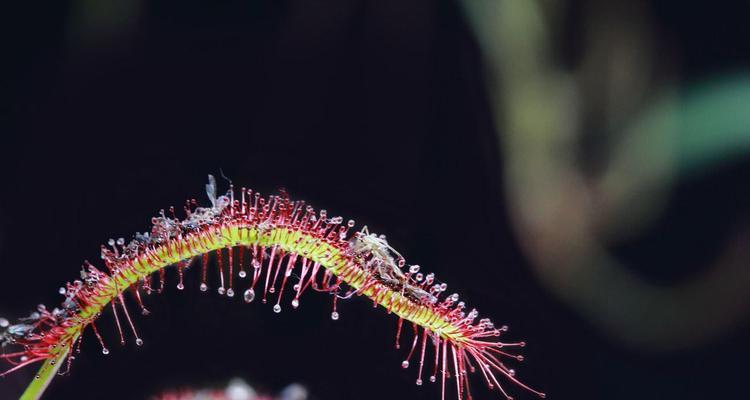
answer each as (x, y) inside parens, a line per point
(275, 249)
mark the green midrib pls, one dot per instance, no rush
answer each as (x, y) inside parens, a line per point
(291, 241)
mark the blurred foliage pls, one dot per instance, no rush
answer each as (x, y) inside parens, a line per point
(649, 130)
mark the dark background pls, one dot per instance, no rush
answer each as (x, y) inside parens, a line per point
(374, 110)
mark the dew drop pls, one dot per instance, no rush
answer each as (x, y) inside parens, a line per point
(105, 351)
(139, 342)
(296, 286)
(433, 379)
(61, 290)
(295, 303)
(37, 377)
(249, 295)
(242, 274)
(277, 308)
(405, 364)
(111, 242)
(272, 290)
(512, 372)
(221, 290)
(230, 292)
(419, 382)
(204, 287)
(24, 358)
(335, 316)
(180, 286)
(4, 323)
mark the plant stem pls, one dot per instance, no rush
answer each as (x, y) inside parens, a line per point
(45, 375)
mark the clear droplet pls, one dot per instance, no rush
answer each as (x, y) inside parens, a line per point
(61, 291)
(139, 342)
(221, 290)
(204, 287)
(242, 274)
(230, 292)
(335, 316)
(405, 364)
(272, 290)
(277, 308)
(433, 379)
(419, 382)
(249, 295)
(105, 351)
(180, 286)
(512, 372)
(4, 323)
(295, 303)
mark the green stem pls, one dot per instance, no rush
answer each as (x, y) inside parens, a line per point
(43, 378)
(297, 242)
